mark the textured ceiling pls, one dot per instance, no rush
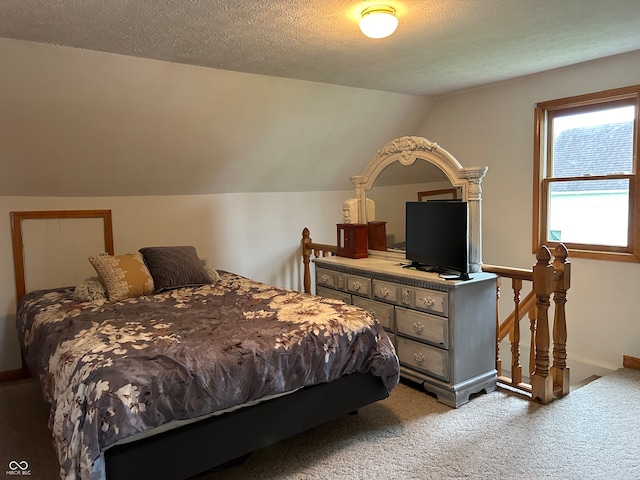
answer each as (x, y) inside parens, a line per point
(440, 46)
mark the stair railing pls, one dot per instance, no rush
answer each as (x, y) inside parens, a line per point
(317, 250)
(550, 281)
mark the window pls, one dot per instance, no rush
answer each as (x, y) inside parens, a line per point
(585, 175)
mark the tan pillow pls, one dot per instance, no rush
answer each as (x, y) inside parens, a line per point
(124, 276)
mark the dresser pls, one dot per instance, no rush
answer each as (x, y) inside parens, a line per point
(444, 331)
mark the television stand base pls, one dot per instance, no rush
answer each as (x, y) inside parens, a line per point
(442, 273)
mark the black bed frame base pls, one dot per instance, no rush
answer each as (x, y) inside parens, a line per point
(204, 445)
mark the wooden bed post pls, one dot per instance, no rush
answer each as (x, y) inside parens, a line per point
(559, 370)
(541, 381)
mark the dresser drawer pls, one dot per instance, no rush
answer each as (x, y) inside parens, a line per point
(428, 359)
(330, 293)
(358, 285)
(430, 301)
(382, 311)
(329, 278)
(387, 292)
(422, 326)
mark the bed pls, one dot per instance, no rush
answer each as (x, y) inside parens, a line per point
(175, 378)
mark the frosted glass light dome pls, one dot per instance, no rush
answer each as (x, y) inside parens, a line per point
(379, 21)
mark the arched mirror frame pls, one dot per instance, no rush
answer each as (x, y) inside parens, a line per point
(407, 150)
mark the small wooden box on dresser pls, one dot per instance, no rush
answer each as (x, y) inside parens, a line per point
(444, 331)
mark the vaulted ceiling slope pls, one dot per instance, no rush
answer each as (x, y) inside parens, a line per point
(441, 46)
(176, 97)
(79, 123)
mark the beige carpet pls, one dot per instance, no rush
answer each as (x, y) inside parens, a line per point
(593, 433)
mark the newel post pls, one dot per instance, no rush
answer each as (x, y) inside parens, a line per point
(562, 281)
(541, 380)
(306, 258)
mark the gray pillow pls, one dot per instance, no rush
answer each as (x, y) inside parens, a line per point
(175, 267)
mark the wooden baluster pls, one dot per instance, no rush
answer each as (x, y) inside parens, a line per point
(516, 368)
(533, 312)
(306, 258)
(559, 370)
(498, 360)
(541, 381)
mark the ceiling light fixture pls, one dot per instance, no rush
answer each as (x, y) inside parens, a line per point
(378, 21)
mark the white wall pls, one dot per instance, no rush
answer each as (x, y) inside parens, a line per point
(494, 126)
(256, 235)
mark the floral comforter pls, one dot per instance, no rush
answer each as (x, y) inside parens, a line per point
(112, 370)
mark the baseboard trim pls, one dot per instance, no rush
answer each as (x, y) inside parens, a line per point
(11, 375)
(631, 362)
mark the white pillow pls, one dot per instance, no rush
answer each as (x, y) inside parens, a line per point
(90, 289)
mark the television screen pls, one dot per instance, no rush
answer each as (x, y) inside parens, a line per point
(437, 238)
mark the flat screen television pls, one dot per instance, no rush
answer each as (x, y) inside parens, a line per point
(437, 237)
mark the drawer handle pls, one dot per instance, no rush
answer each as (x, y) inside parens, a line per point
(428, 302)
(406, 297)
(419, 358)
(356, 285)
(324, 278)
(384, 292)
(418, 328)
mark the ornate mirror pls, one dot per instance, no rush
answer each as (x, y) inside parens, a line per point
(465, 180)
